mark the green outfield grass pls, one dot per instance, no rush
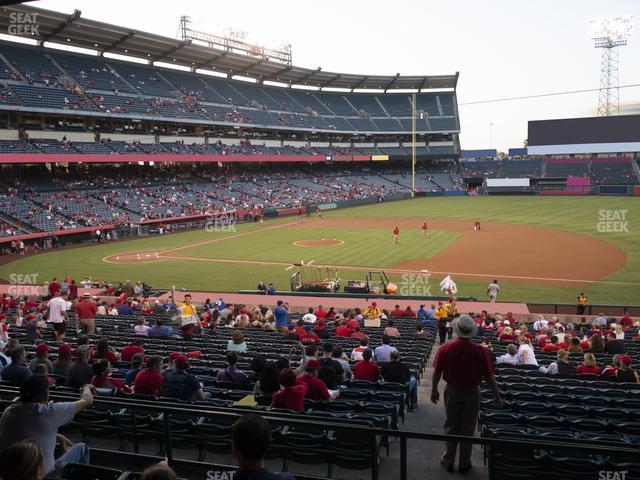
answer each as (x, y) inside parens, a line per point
(362, 247)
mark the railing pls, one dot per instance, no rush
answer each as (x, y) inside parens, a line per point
(167, 410)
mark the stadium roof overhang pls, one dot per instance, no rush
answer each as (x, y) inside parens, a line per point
(74, 30)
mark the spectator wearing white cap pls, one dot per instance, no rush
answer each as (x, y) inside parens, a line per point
(463, 365)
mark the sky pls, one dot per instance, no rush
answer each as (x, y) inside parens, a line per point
(502, 48)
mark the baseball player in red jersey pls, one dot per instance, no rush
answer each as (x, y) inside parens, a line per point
(396, 234)
(425, 230)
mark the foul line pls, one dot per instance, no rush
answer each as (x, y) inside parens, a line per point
(159, 253)
(229, 237)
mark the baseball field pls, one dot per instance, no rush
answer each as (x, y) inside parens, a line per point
(543, 249)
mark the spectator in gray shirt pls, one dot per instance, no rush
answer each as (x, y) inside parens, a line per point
(35, 417)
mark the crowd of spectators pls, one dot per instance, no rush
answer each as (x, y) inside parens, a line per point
(66, 200)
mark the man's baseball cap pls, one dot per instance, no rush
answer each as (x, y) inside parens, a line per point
(86, 295)
(312, 364)
(64, 349)
(374, 304)
(33, 387)
(182, 362)
(42, 347)
(327, 347)
(173, 356)
(626, 359)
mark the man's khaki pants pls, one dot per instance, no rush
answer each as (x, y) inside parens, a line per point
(89, 324)
(461, 407)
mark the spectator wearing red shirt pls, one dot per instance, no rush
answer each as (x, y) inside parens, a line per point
(463, 365)
(104, 351)
(365, 369)
(320, 313)
(397, 312)
(130, 350)
(291, 397)
(552, 345)
(309, 336)
(300, 328)
(353, 324)
(331, 314)
(343, 330)
(54, 287)
(73, 290)
(589, 366)
(149, 381)
(102, 377)
(316, 389)
(86, 310)
(358, 334)
(507, 335)
(626, 321)
(31, 303)
(408, 313)
(610, 371)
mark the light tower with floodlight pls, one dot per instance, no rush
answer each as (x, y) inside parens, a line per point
(607, 34)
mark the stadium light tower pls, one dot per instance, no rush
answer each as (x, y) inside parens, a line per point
(608, 34)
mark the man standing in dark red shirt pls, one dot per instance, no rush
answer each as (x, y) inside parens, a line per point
(86, 310)
(463, 365)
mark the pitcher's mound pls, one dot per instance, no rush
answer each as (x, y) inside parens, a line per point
(323, 242)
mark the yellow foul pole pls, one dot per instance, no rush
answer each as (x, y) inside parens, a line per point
(413, 145)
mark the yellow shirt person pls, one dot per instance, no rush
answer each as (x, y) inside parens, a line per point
(372, 311)
(440, 312)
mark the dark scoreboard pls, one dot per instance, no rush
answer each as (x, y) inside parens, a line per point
(571, 131)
